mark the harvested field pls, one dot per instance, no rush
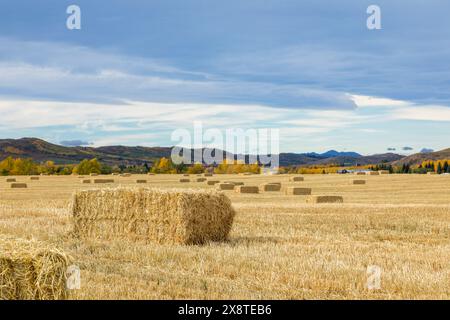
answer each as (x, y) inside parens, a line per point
(279, 247)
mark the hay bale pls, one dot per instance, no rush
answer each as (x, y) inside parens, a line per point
(94, 174)
(225, 186)
(19, 185)
(267, 187)
(431, 173)
(360, 173)
(296, 179)
(200, 179)
(86, 181)
(359, 182)
(212, 182)
(185, 175)
(246, 189)
(34, 178)
(172, 216)
(10, 180)
(141, 181)
(80, 177)
(150, 174)
(31, 270)
(208, 174)
(236, 183)
(373, 173)
(114, 174)
(103, 181)
(297, 191)
(324, 199)
(383, 172)
(185, 180)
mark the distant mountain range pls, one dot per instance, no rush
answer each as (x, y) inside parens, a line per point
(40, 150)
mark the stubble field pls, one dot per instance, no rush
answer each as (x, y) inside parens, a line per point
(280, 247)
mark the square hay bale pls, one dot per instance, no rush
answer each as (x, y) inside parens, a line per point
(296, 179)
(373, 173)
(17, 185)
(150, 174)
(103, 181)
(360, 173)
(208, 174)
(185, 175)
(80, 177)
(246, 189)
(212, 182)
(200, 179)
(236, 183)
(172, 216)
(94, 174)
(141, 181)
(383, 172)
(431, 173)
(324, 199)
(34, 178)
(185, 180)
(225, 186)
(270, 187)
(31, 270)
(86, 181)
(11, 180)
(359, 182)
(297, 191)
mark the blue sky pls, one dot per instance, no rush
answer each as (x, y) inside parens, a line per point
(137, 70)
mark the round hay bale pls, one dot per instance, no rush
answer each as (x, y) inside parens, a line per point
(17, 185)
(296, 179)
(324, 199)
(246, 189)
(297, 191)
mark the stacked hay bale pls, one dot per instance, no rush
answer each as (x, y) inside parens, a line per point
(246, 189)
(17, 185)
(296, 179)
(267, 187)
(324, 199)
(212, 182)
(225, 186)
(173, 216)
(185, 180)
(103, 181)
(359, 182)
(141, 181)
(297, 191)
(31, 270)
(9, 180)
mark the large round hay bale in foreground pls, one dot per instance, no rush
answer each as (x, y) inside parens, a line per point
(172, 216)
(141, 181)
(324, 199)
(185, 180)
(103, 180)
(225, 186)
(9, 180)
(17, 185)
(31, 270)
(359, 182)
(246, 189)
(297, 191)
(296, 179)
(267, 187)
(34, 178)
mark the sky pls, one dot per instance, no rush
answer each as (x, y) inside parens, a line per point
(138, 70)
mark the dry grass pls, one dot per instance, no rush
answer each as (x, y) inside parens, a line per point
(280, 247)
